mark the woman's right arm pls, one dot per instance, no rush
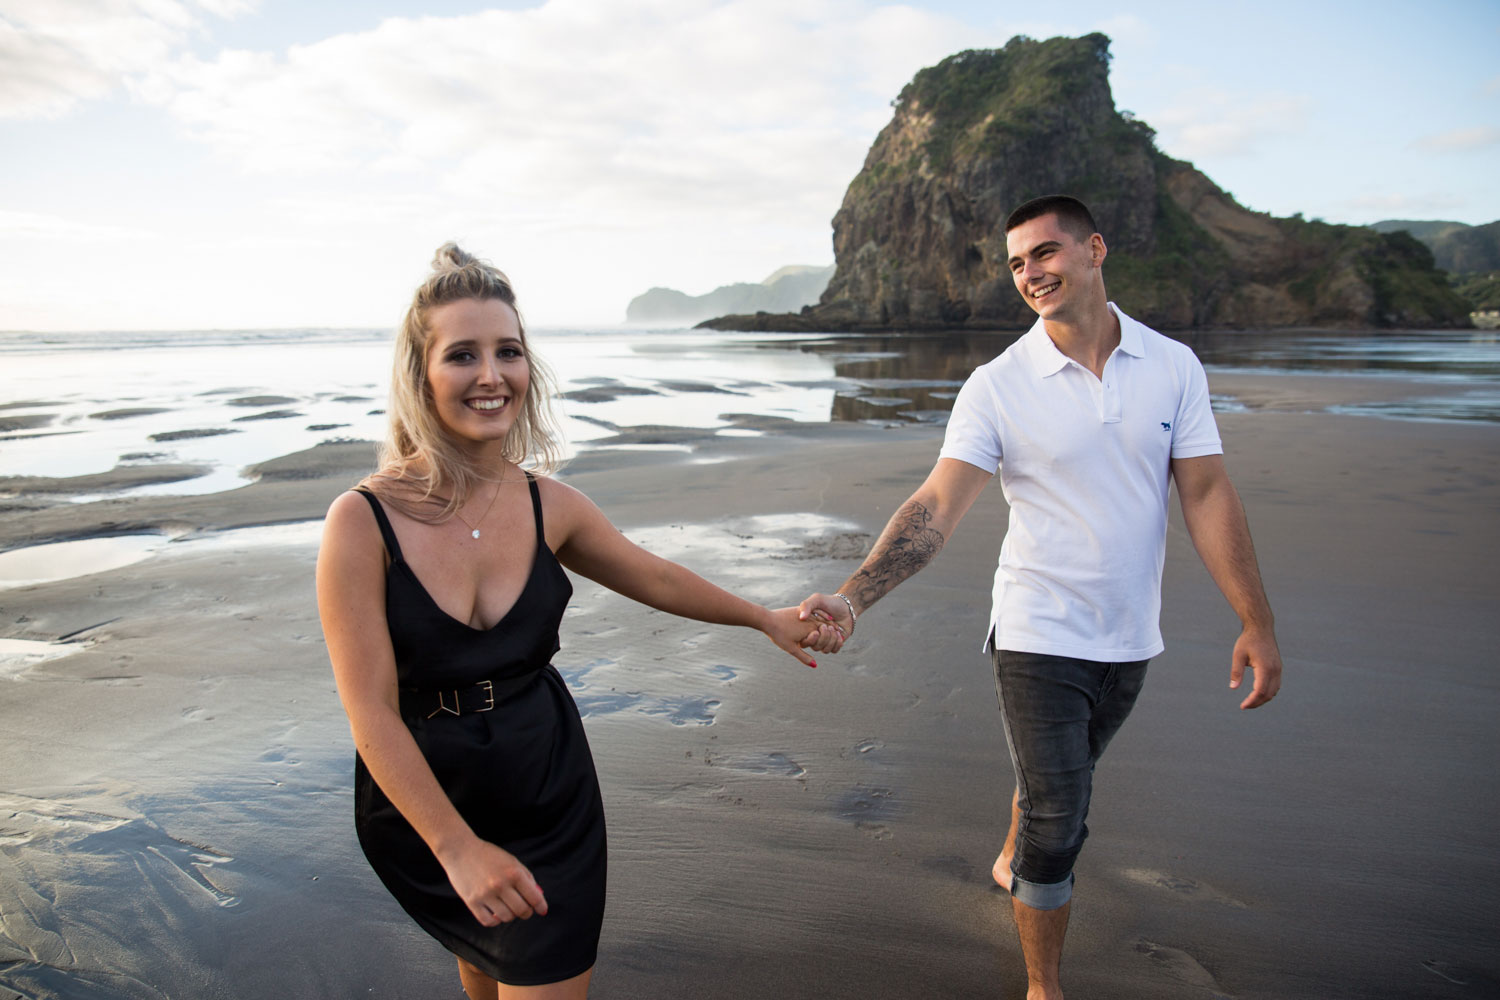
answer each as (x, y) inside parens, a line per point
(351, 602)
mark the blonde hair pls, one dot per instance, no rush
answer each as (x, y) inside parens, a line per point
(423, 472)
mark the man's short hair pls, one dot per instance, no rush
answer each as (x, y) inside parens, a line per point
(1072, 215)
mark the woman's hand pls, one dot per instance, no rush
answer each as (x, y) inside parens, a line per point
(493, 883)
(790, 633)
(830, 635)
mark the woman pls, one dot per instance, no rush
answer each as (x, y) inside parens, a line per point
(441, 585)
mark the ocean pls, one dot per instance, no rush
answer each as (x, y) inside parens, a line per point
(74, 404)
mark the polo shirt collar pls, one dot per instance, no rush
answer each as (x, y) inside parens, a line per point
(1047, 360)
(1131, 341)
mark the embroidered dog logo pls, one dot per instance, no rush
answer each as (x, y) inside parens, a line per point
(1165, 426)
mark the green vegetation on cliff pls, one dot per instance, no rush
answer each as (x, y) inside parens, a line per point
(1400, 269)
(919, 239)
(1471, 255)
(1456, 247)
(1481, 291)
(982, 101)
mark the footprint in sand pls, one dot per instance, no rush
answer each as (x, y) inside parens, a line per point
(868, 807)
(1180, 966)
(954, 866)
(279, 755)
(1181, 886)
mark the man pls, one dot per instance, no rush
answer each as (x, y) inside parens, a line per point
(1085, 417)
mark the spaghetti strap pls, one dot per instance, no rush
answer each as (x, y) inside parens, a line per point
(536, 507)
(386, 531)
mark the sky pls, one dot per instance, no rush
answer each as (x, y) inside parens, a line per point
(239, 164)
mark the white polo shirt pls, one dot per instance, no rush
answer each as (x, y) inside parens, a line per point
(1084, 465)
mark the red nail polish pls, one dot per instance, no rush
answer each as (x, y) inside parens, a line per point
(813, 664)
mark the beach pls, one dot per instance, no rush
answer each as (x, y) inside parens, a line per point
(176, 811)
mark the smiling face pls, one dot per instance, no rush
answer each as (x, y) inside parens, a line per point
(476, 369)
(1053, 268)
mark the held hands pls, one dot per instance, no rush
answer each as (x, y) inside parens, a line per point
(787, 630)
(835, 623)
(494, 885)
(1256, 649)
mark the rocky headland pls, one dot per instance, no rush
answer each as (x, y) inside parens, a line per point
(786, 289)
(919, 241)
(1470, 254)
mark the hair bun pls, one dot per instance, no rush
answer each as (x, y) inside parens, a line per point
(450, 256)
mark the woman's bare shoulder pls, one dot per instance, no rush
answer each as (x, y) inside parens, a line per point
(350, 527)
(350, 508)
(566, 508)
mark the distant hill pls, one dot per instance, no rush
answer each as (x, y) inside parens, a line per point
(786, 289)
(1456, 247)
(1421, 229)
(919, 240)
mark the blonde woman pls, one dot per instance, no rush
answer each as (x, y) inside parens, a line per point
(441, 586)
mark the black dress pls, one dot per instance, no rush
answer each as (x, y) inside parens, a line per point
(519, 773)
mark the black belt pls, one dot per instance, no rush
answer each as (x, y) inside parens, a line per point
(480, 697)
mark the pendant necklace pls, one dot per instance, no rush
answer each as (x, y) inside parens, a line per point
(474, 528)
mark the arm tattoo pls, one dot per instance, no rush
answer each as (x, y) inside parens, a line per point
(906, 545)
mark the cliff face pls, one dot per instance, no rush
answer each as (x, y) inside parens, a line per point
(919, 240)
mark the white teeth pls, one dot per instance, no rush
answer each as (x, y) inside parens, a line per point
(486, 404)
(1044, 292)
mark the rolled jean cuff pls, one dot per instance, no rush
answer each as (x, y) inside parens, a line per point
(1042, 895)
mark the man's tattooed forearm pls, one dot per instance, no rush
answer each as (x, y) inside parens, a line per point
(906, 545)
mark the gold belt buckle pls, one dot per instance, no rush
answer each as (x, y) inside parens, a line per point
(443, 705)
(489, 695)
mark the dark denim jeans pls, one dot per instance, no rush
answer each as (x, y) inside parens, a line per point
(1059, 714)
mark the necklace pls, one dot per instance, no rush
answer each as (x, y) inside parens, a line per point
(474, 528)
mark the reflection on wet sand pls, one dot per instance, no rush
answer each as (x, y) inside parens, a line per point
(914, 377)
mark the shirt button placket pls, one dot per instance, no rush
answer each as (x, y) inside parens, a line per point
(1109, 405)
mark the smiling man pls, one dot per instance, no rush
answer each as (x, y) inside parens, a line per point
(1086, 418)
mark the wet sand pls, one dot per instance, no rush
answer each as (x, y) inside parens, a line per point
(175, 812)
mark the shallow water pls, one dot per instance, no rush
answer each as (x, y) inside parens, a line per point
(78, 404)
(66, 560)
(20, 655)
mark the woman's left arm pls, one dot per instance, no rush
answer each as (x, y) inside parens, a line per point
(588, 544)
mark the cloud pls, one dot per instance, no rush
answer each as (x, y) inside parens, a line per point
(1217, 124)
(1460, 140)
(624, 113)
(34, 226)
(56, 53)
